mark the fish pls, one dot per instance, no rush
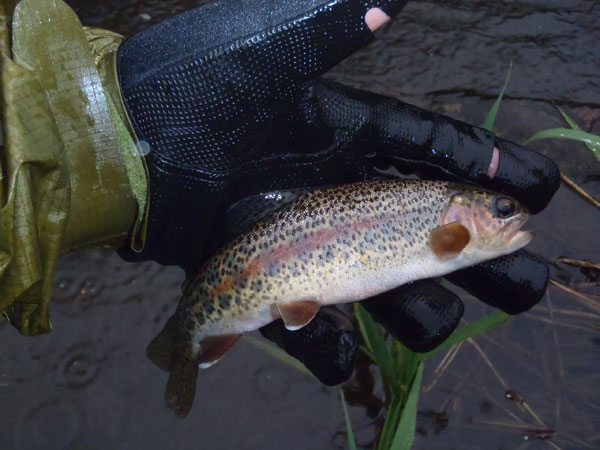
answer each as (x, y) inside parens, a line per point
(329, 246)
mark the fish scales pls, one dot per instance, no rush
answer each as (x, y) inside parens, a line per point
(329, 246)
(311, 249)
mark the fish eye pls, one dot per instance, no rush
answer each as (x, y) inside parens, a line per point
(505, 207)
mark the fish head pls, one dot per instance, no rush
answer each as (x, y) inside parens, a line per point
(493, 221)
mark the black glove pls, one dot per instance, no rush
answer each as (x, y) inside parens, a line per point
(228, 98)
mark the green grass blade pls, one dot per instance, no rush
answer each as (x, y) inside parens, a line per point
(591, 140)
(405, 433)
(277, 353)
(351, 441)
(368, 352)
(373, 336)
(473, 329)
(411, 361)
(397, 349)
(568, 119)
(491, 116)
(573, 124)
(365, 322)
(391, 423)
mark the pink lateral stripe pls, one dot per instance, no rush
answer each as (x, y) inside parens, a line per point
(286, 252)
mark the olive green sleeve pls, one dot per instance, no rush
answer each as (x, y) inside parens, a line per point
(70, 173)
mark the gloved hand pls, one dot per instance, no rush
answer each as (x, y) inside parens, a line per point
(229, 102)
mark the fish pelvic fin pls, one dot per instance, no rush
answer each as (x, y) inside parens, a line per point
(161, 349)
(297, 314)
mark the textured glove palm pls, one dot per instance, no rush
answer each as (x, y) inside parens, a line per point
(227, 98)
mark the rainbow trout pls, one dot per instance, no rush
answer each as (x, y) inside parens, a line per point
(329, 246)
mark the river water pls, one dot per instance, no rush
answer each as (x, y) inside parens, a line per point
(88, 385)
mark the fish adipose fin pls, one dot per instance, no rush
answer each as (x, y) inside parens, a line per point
(447, 241)
(297, 314)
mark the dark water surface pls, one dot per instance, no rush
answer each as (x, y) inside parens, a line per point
(88, 385)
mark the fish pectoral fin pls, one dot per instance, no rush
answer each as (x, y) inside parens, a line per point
(213, 348)
(447, 241)
(298, 314)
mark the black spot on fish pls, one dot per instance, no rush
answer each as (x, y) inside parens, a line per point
(225, 301)
(189, 324)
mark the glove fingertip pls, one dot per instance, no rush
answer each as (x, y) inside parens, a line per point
(529, 176)
(327, 346)
(512, 283)
(421, 315)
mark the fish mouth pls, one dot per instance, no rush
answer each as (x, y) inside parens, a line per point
(520, 239)
(512, 236)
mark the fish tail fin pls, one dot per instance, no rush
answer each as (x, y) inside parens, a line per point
(162, 349)
(181, 386)
(174, 352)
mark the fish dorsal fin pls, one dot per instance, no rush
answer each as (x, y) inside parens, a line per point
(248, 211)
(297, 314)
(447, 241)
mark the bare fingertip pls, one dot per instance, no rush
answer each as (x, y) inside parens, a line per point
(493, 168)
(375, 18)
